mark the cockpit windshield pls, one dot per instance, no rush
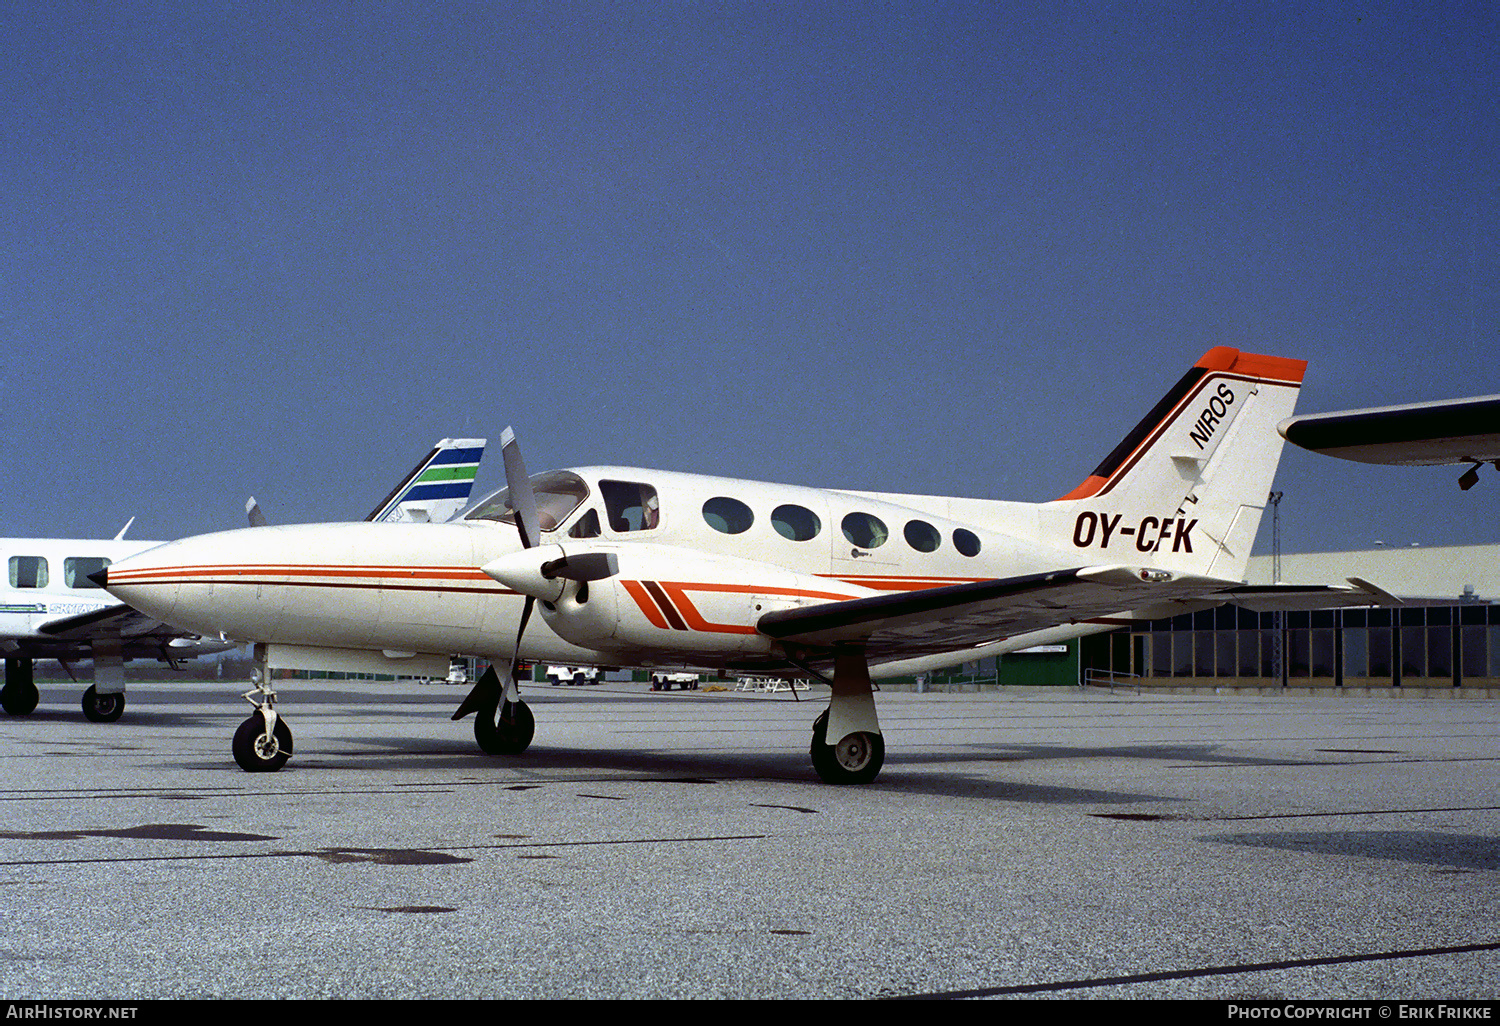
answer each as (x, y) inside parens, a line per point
(558, 494)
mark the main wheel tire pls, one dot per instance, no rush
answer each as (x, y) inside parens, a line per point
(19, 699)
(505, 730)
(856, 759)
(257, 754)
(103, 708)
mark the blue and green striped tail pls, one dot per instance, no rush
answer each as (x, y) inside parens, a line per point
(438, 487)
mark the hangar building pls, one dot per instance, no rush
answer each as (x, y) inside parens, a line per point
(1451, 639)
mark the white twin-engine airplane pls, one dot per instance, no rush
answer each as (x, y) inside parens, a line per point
(648, 568)
(51, 606)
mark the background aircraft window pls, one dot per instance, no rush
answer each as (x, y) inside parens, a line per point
(587, 526)
(630, 506)
(796, 522)
(28, 572)
(865, 531)
(966, 542)
(922, 536)
(558, 494)
(729, 516)
(76, 570)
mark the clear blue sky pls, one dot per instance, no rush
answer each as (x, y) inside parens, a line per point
(952, 248)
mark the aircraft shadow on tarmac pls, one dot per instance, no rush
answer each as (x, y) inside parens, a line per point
(562, 765)
(1467, 852)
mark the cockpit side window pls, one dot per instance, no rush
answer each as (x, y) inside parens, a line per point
(587, 526)
(630, 506)
(558, 494)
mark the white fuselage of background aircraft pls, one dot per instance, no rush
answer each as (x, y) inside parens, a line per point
(47, 581)
(53, 608)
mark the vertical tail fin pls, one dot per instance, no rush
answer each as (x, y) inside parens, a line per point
(1185, 490)
(437, 488)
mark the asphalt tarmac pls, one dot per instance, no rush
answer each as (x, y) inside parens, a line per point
(1031, 843)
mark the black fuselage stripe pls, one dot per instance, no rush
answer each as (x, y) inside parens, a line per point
(664, 604)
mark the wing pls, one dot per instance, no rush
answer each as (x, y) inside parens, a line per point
(1421, 434)
(967, 615)
(117, 621)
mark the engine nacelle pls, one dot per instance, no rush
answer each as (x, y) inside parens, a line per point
(679, 600)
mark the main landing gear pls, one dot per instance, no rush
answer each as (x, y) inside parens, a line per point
(103, 708)
(856, 759)
(859, 752)
(103, 702)
(503, 724)
(20, 696)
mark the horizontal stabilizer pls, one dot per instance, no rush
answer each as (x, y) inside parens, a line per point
(1277, 598)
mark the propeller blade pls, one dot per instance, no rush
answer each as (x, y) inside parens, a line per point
(252, 510)
(515, 660)
(584, 566)
(484, 695)
(522, 498)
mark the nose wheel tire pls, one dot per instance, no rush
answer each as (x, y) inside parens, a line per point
(255, 752)
(856, 759)
(103, 708)
(504, 730)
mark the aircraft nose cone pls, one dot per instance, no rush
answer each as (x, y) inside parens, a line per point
(139, 581)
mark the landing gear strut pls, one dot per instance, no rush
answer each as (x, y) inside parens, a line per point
(859, 752)
(104, 701)
(263, 743)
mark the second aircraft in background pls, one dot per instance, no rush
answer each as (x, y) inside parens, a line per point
(52, 609)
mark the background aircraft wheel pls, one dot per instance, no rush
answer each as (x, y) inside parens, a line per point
(856, 759)
(254, 753)
(504, 731)
(103, 708)
(19, 699)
